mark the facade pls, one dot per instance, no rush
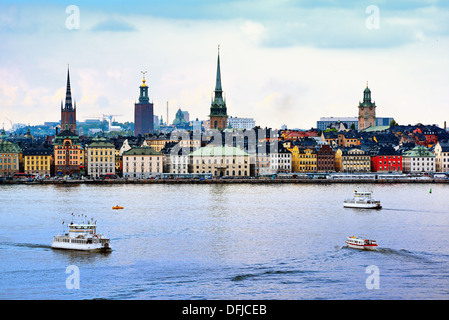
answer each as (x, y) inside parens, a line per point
(367, 111)
(352, 160)
(442, 156)
(100, 156)
(68, 111)
(142, 162)
(38, 160)
(67, 153)
(143, 113)
(386, 160)
(218, 112)
(325, 159)
(419, 159)
(221, 161)
(281, 159)
(241, 123)
(10, 158)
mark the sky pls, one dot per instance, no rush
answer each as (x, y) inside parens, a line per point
(282, 62)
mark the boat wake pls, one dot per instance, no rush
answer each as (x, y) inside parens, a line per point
(25, 245)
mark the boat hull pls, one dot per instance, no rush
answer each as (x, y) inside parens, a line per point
(80, 247)
(362, 205)
(361, 247)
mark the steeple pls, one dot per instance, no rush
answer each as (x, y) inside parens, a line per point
(218, 89)
(68, 110)
(218, 111)
(68, 94)
(367, 94)
(143, 98)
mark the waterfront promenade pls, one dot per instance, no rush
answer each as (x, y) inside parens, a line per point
(229, 181)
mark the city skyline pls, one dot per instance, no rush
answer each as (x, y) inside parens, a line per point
(281, 62)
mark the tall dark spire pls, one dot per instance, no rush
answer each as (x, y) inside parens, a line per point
(218, 111)
(68, 94)
(218, 88)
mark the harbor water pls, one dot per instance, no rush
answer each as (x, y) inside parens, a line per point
(226, 241)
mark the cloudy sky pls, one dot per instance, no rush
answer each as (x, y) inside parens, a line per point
(282, 62)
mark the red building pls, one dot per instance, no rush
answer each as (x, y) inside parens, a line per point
(386, 160)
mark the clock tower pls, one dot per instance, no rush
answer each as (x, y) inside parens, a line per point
(367, 110)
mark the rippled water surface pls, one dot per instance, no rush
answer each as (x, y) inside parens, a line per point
(227, 242)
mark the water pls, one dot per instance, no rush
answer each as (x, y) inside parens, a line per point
(226, 242)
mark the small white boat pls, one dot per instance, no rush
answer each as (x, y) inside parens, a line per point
(361, 244)
(81, 237)
(363, 200)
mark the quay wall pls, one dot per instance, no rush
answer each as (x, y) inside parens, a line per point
(229, 181)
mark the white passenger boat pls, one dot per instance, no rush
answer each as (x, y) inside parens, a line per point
(361, 244)
(363, 200)
(82, 237)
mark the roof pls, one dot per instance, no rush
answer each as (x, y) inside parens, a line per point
(375, 128)
(418, 151)
(100, 144)
(141, 151)
(9, 147)
(218, 151)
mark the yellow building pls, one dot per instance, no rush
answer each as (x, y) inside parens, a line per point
(10, 157)
(38, 161)
(100, 158)
(352, 160)
(303, 160)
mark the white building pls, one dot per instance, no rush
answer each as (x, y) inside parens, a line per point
(241, 123)
(442, 157)
(142, 162)
(419, 159)
(281, 160)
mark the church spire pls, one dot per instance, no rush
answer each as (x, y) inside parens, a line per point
(218, 88)
(68, 93)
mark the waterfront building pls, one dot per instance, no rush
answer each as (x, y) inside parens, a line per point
(142, 162)
(386, 159)
(307, 160)
(325, 159)
(38, 160)
(143, 112)
(367, 111)
(241, 123)
(221, 161)
(176, 159)
(442, 156)
(281, 159)
(419, 159)
(218, 112)
(100, 155)
(67, 153)
(68, 110)
(10, 158)
(352, 160)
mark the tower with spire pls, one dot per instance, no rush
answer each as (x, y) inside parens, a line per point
(367, 110)
(68, 110)
(143, 111)
(218, 112)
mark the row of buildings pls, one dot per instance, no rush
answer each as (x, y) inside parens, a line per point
(225, 151)
(233, 153)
